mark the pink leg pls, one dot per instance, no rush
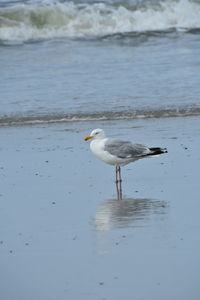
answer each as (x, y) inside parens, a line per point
(120, 183)
(116, 182)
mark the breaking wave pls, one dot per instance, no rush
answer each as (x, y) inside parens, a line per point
(48, 20)
(103, 116)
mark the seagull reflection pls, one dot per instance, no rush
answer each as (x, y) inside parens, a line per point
(127, 213)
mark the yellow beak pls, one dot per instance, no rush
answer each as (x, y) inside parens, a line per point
(88, 137)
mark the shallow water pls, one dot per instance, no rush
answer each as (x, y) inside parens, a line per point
(63, 233)
(134, 59)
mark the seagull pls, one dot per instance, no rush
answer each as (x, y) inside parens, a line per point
(119, 153)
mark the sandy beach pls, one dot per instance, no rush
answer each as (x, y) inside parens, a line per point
(63, 233)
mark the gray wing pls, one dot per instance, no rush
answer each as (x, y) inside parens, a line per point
(123, 149)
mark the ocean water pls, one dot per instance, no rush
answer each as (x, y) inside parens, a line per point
(78, 60)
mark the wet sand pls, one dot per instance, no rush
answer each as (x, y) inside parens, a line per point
(63, 233)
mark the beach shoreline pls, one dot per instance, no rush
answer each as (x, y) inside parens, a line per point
(64, 235)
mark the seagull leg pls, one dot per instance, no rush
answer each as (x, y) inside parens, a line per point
(116, 182)
(120, 183)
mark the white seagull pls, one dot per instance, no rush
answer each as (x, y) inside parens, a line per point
(119, 153)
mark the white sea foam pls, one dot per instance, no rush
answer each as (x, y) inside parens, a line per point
(102, 116)
(67, 19)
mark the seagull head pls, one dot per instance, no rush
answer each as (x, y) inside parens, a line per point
(95, 134)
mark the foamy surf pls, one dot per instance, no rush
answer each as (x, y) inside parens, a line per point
(48, 20)
(101, 116)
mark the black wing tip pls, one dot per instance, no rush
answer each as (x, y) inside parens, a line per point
(158, 150)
